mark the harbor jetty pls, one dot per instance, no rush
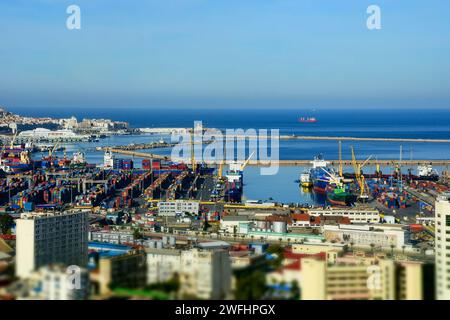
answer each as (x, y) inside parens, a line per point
(293, 163)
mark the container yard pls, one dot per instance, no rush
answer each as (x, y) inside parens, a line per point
(115, 188)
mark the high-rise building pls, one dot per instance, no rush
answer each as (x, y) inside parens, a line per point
(442, 246)
(204, 274)
(51, 238)
(384, 280)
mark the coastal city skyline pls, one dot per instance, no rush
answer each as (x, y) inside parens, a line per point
(223, 158)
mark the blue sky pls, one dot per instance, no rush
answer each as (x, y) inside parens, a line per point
(225, 53)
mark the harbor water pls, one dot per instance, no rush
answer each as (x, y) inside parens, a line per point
(283, 187)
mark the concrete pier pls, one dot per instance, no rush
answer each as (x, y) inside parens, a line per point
(300, 163)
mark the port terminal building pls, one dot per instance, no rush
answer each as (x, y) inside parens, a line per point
(42, 134)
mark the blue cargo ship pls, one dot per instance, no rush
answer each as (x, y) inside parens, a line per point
(320, 174)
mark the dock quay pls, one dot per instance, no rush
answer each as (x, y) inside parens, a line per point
(138, 146)
(293, 163)
(144, 146)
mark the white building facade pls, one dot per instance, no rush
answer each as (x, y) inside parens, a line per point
(50, 238)
(62, 283)
(356, 215)
(383, 236)
(205, 274)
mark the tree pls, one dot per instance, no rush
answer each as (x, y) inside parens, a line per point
(137, 234)
(250, 285)
(345, 248)
(277, 251)
(295, 290)
(372, 247)
(392, 249)
(6, 223)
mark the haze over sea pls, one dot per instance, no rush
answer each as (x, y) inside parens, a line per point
(398, 123)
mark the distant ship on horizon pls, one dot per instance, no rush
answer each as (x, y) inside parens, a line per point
(307, 120)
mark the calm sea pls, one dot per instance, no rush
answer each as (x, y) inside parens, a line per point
(415, 123)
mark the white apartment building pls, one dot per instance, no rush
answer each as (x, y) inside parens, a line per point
(205, 274)
(172, 208)
(162, 264)
(356, 215)
(58, 283)
(442, 247)
(50, 238)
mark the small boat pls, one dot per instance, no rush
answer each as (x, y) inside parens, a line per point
(305, 179)
(307, 120)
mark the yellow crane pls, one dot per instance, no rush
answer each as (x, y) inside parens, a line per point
(193, 163)
(358, 174)
(377, 167)
(220, 170)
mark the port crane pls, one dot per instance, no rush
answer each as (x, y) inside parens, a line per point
(52, 150)
(13, 140)
(193, 163)
(360, 176)
(247, 161)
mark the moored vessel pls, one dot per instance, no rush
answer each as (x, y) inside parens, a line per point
(305, 179)
(307, 120)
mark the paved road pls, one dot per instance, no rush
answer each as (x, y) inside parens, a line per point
(204, 194)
